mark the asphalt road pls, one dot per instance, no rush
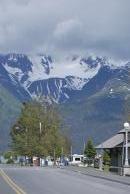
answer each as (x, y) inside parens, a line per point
(55, 181)
(4, 187)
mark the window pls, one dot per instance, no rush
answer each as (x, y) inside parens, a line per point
(77, 159)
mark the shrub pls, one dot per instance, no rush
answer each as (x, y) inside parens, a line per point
(10, 161)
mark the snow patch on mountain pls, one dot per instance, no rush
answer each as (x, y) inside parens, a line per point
(14, 72)
(115, 64)
(61, 69)
(76, 83)
(38, 70)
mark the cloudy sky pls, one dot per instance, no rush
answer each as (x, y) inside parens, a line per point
(66, 26)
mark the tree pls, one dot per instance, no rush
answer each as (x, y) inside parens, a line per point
(90, 150)
(37, 131)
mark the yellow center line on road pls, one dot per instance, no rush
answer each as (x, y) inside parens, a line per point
(13, 185)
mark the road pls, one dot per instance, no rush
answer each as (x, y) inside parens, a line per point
(55, 181)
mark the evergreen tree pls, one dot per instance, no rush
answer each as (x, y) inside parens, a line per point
(90, 150)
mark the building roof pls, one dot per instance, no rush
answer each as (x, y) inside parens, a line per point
(112, 142)
(123, 131)
(77, 155)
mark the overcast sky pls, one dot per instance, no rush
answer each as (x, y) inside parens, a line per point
(66, 26)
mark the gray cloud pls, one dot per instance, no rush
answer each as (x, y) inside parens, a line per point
(69, 34)
(66, 26)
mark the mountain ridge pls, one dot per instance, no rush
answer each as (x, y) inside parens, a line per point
(89, 92)
(33, 76)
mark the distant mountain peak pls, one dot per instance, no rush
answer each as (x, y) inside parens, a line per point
(40, 74)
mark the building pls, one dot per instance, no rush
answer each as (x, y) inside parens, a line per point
(77, 159)
(117, 147)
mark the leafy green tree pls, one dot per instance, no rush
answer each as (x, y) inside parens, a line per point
(37, 131)
(90, 150)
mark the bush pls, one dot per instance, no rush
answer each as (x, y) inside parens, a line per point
(8, 154)
(10, 161)
(106, 168)
(106, 161)
(106, 158)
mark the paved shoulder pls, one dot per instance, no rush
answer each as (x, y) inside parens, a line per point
(100, 174)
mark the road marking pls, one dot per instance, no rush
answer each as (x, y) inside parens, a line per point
(13, 185)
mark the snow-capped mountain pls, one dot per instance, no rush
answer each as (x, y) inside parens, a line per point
(94, 91)
(41, 75)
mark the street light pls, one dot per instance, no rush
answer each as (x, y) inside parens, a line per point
(126, 127)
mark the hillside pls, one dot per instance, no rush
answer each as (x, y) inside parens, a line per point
(9, 109)
(99, 116)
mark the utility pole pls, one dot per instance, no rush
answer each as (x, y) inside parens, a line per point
(84, 146)
(26, 130)
(71, 152)
(62, 151)
(40, 131)
(54, 157)
(40, 128)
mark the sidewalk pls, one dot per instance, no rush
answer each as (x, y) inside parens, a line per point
(100, 174)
